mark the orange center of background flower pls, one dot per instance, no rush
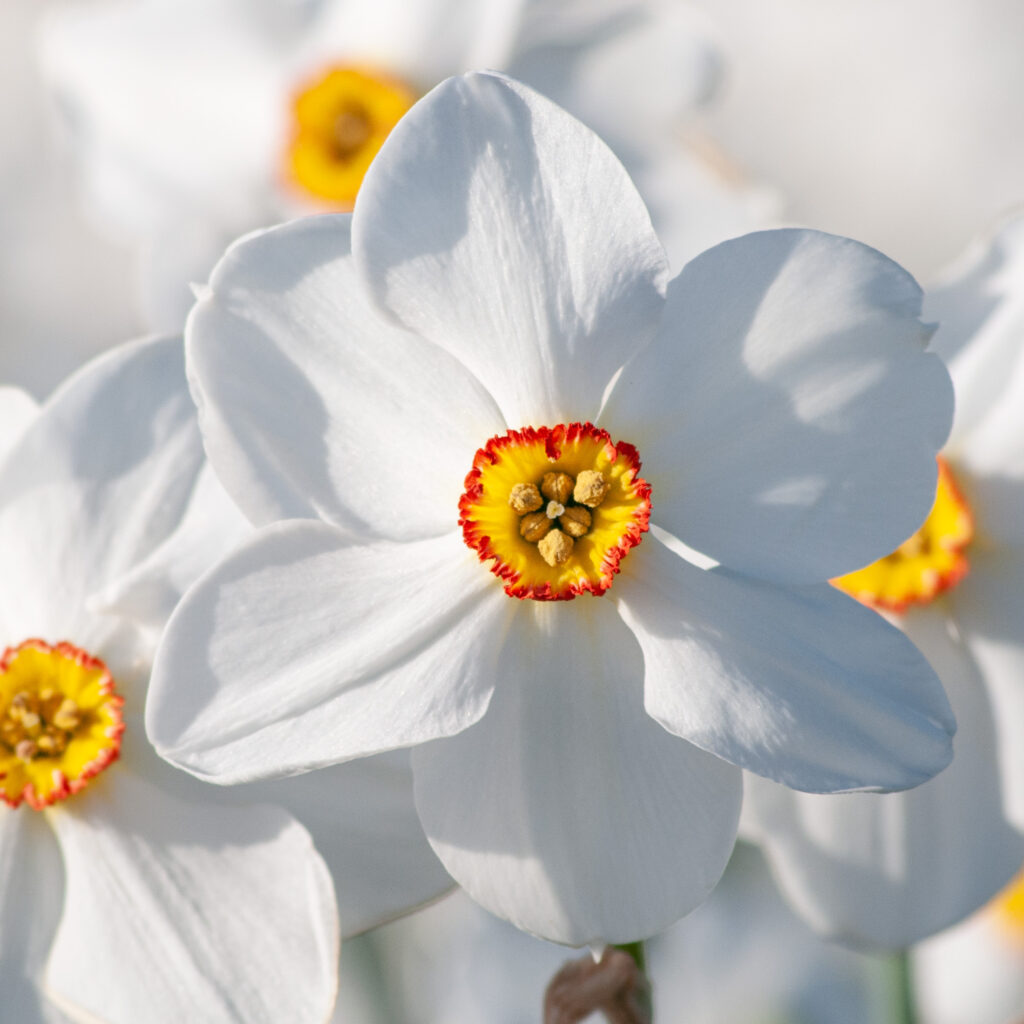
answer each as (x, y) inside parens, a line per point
(927, 563)
(554, 510)
(340, 121)
(60, 722)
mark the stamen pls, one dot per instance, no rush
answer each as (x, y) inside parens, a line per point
(534, 527)
(525, 498)
(575, 521)
(555, 548)
(557, 487)
(591, 488)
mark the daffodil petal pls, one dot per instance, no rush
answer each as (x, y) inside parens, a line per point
(566, 809)
(363, 821)
(787, 412)
(888, 871)
(31, 893)
(497, 226)
(300, 650)
(17, 410)
(979, 308)
(799, 684)
(314, 406)
(987, 607)
(99, 479)
(171, 905)
(211, 526)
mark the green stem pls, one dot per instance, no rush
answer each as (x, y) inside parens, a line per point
(636, 951)
(902, 989)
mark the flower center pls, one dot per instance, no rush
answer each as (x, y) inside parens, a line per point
(340, 120)
(1009, 909)
(555, 509)
(929, 562)
(60, 722)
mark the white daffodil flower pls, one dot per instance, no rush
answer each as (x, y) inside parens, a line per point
(889, 871)
(469, 370)
(975, 970)
(198, 120)
(128, 892)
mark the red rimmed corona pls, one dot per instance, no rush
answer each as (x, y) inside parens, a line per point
(554, 510)
(60, 722)
(928, 563)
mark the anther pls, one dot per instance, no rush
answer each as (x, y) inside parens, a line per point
(525, 498)
(591, 488)
(575, 521)
(534, 526)
(555, 548)
(25, 750)
(67, 715)
(557, 487)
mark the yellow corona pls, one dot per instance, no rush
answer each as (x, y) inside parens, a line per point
(60, 722)
(340, 121)
(554, 510)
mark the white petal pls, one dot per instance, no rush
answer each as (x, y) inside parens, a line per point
(889, 870)
(970, 973)
(172, 906)
(980, 312)
(363, 820)
(988, 606)
(498, 227)
(31, 896)
(567, 810)
(149, 592)
(420, 42)
(17, 411)
(787, 414)
(313, 406)
(170, 138)
(799, 684)
(98, 480)
(299, 651)
(631, 69)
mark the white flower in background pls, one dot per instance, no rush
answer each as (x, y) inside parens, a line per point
(129, 892)
(17, 410)
(975, 971)
(896, 123)
(420, 398)
(891, 870)
(62, 293)
(198, 120)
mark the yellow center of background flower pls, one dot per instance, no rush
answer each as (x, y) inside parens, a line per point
(555, 509)
(1009, 909)
(929, 562)
(340, 122)
(60, 722)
